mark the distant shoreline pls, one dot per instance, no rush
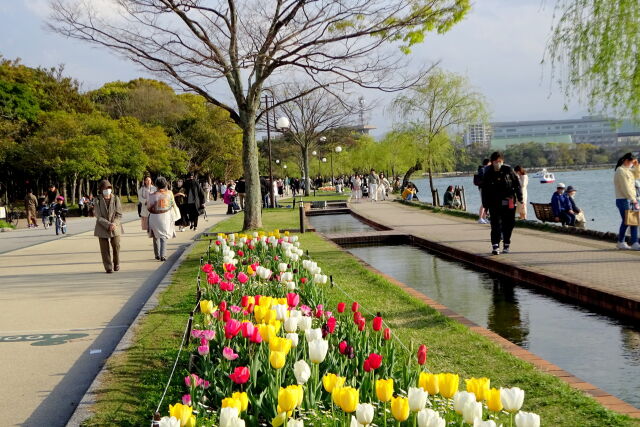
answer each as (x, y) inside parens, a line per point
(572, 168)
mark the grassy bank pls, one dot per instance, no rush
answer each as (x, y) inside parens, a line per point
(136, 378)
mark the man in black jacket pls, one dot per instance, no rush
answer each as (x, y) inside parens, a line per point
(500, 190)
(241, 189)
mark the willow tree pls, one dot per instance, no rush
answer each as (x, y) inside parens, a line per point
(595, 51)
(439, 106)
(243, 44)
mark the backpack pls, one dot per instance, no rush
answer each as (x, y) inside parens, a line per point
(477, 178)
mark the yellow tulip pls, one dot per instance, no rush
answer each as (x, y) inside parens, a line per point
(493, 400)
(429, 383)
(331, 381)
(267, 332)
(282, 345)
(400, 408)
(479, 387)
(232, 402)
(207, 306)
(287, 399)
(335, 395)
(265, 301)
(282, 301)
(259, 312)
(448, 384)
(270, 316)
(250, 271)
(298, 389)
(384, 389)
(182, 413)
(277, 359)
(191, 422)
(279, 419)
(243, 399)
(348, 399)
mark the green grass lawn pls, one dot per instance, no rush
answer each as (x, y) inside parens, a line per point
(136, 378)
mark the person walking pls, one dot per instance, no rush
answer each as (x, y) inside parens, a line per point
(181, 200)
(383, 187)
(195, 200)
(241, 189)
(143, 195)
(108, 212)
(207, 190)
(163, 214)
(357, 188)
(500, 191)
(30, 206)
(524, 183)
(374, 180)
(626, 172)
(477, 181)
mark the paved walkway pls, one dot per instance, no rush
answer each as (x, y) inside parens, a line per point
(61, 316)
(589, 262)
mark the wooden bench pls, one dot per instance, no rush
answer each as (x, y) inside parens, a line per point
(544, 212)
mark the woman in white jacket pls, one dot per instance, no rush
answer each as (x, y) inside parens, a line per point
(163, 214)
(524, 182)
(626, 172)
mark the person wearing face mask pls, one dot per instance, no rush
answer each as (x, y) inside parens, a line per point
(500, 191)
(108, 212)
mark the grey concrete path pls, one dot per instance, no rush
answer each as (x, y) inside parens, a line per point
(61, 316)
(589, 262)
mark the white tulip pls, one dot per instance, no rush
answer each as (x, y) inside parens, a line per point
(320, 279)
(290, 324)
(169, 422)
(354, 422)
(295, 257)
(228, 416)
(304, 323)
(295, 423)
(471, 411)
(291, 286)
(286, 277)
(294, 239)
(461, 398)
(282, 267)
(281, 311)
(512, 398)
(294, 339)
(430, 418)
(527, 419)
(313, 334)
(302, 371)
(364, 413)
(295, 313)
(417, 399)
(479, 423)
(318, 350)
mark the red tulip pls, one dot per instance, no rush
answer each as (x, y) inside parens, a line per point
(257, 299)
(222, 305)
(242, 278)
(213, 279)
(293, 299)
(255, 336)
(245, 300)
(422, 354)
(387, 334)
(319, 312)
(377, 323)
(218, 243)
(354, 307)
(356, 317)
(361, 324)
(226, 316)
(240, 375)
(303, 280)
(331, 324)
(229, 267)
(341, 307)
(343, 346)
(229, 275)
(231, 328)
(207, 268)
(367, 365)
(375, 360)
(240, 253)
(247, 329)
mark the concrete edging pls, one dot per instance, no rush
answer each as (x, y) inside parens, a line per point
(602, 397)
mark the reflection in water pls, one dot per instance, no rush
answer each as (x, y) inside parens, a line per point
(343, 223)
(504, 314)
(599, 349)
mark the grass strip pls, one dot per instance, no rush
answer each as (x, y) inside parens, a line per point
(135, 380)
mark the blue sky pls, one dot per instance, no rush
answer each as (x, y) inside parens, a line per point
(499, 47)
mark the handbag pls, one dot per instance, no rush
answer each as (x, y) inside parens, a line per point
(632, 218)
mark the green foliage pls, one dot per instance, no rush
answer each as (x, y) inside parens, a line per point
(598, 41)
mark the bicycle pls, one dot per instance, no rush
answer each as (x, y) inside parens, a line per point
(61, 224)
(12, 216)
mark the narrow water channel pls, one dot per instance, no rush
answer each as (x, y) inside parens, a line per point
(602, 350)
(334, 224)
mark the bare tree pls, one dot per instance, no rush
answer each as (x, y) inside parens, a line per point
(316, 114)
(195, 43)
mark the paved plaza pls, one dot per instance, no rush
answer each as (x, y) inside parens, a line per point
(589, 262)
(61, 316)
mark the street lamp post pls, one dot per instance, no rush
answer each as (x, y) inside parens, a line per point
(338, 149)
(268, 100)
(314, 153)
(282, 125)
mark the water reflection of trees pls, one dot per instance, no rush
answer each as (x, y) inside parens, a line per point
(631, 343)
(504, 314)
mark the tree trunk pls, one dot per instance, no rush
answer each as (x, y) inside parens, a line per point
(433, 194)
(407, 175)
(74, 181)
(64, 188)
(126, 182)
(305, 165)
(253, 201)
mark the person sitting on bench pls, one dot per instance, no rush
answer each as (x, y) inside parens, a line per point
(562, 207)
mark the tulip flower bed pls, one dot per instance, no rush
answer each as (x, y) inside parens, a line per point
(267, 349)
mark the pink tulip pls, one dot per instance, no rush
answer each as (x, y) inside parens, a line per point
(213, 279)
(203, 350)
(293, 299)
(242, 278)
(231, 328)
(192, 379)
(229, 354)
(305, 309)
(204, 383)
(255, 336)
(235, 309)
(196, 333)
(247, 329)
(229, 275)
(186, 399)
(208, 334)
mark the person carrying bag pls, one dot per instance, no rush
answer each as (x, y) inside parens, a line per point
(626, 172)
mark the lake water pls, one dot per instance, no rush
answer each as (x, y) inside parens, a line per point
(595, 194)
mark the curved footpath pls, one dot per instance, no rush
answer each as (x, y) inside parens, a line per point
(61, 316)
